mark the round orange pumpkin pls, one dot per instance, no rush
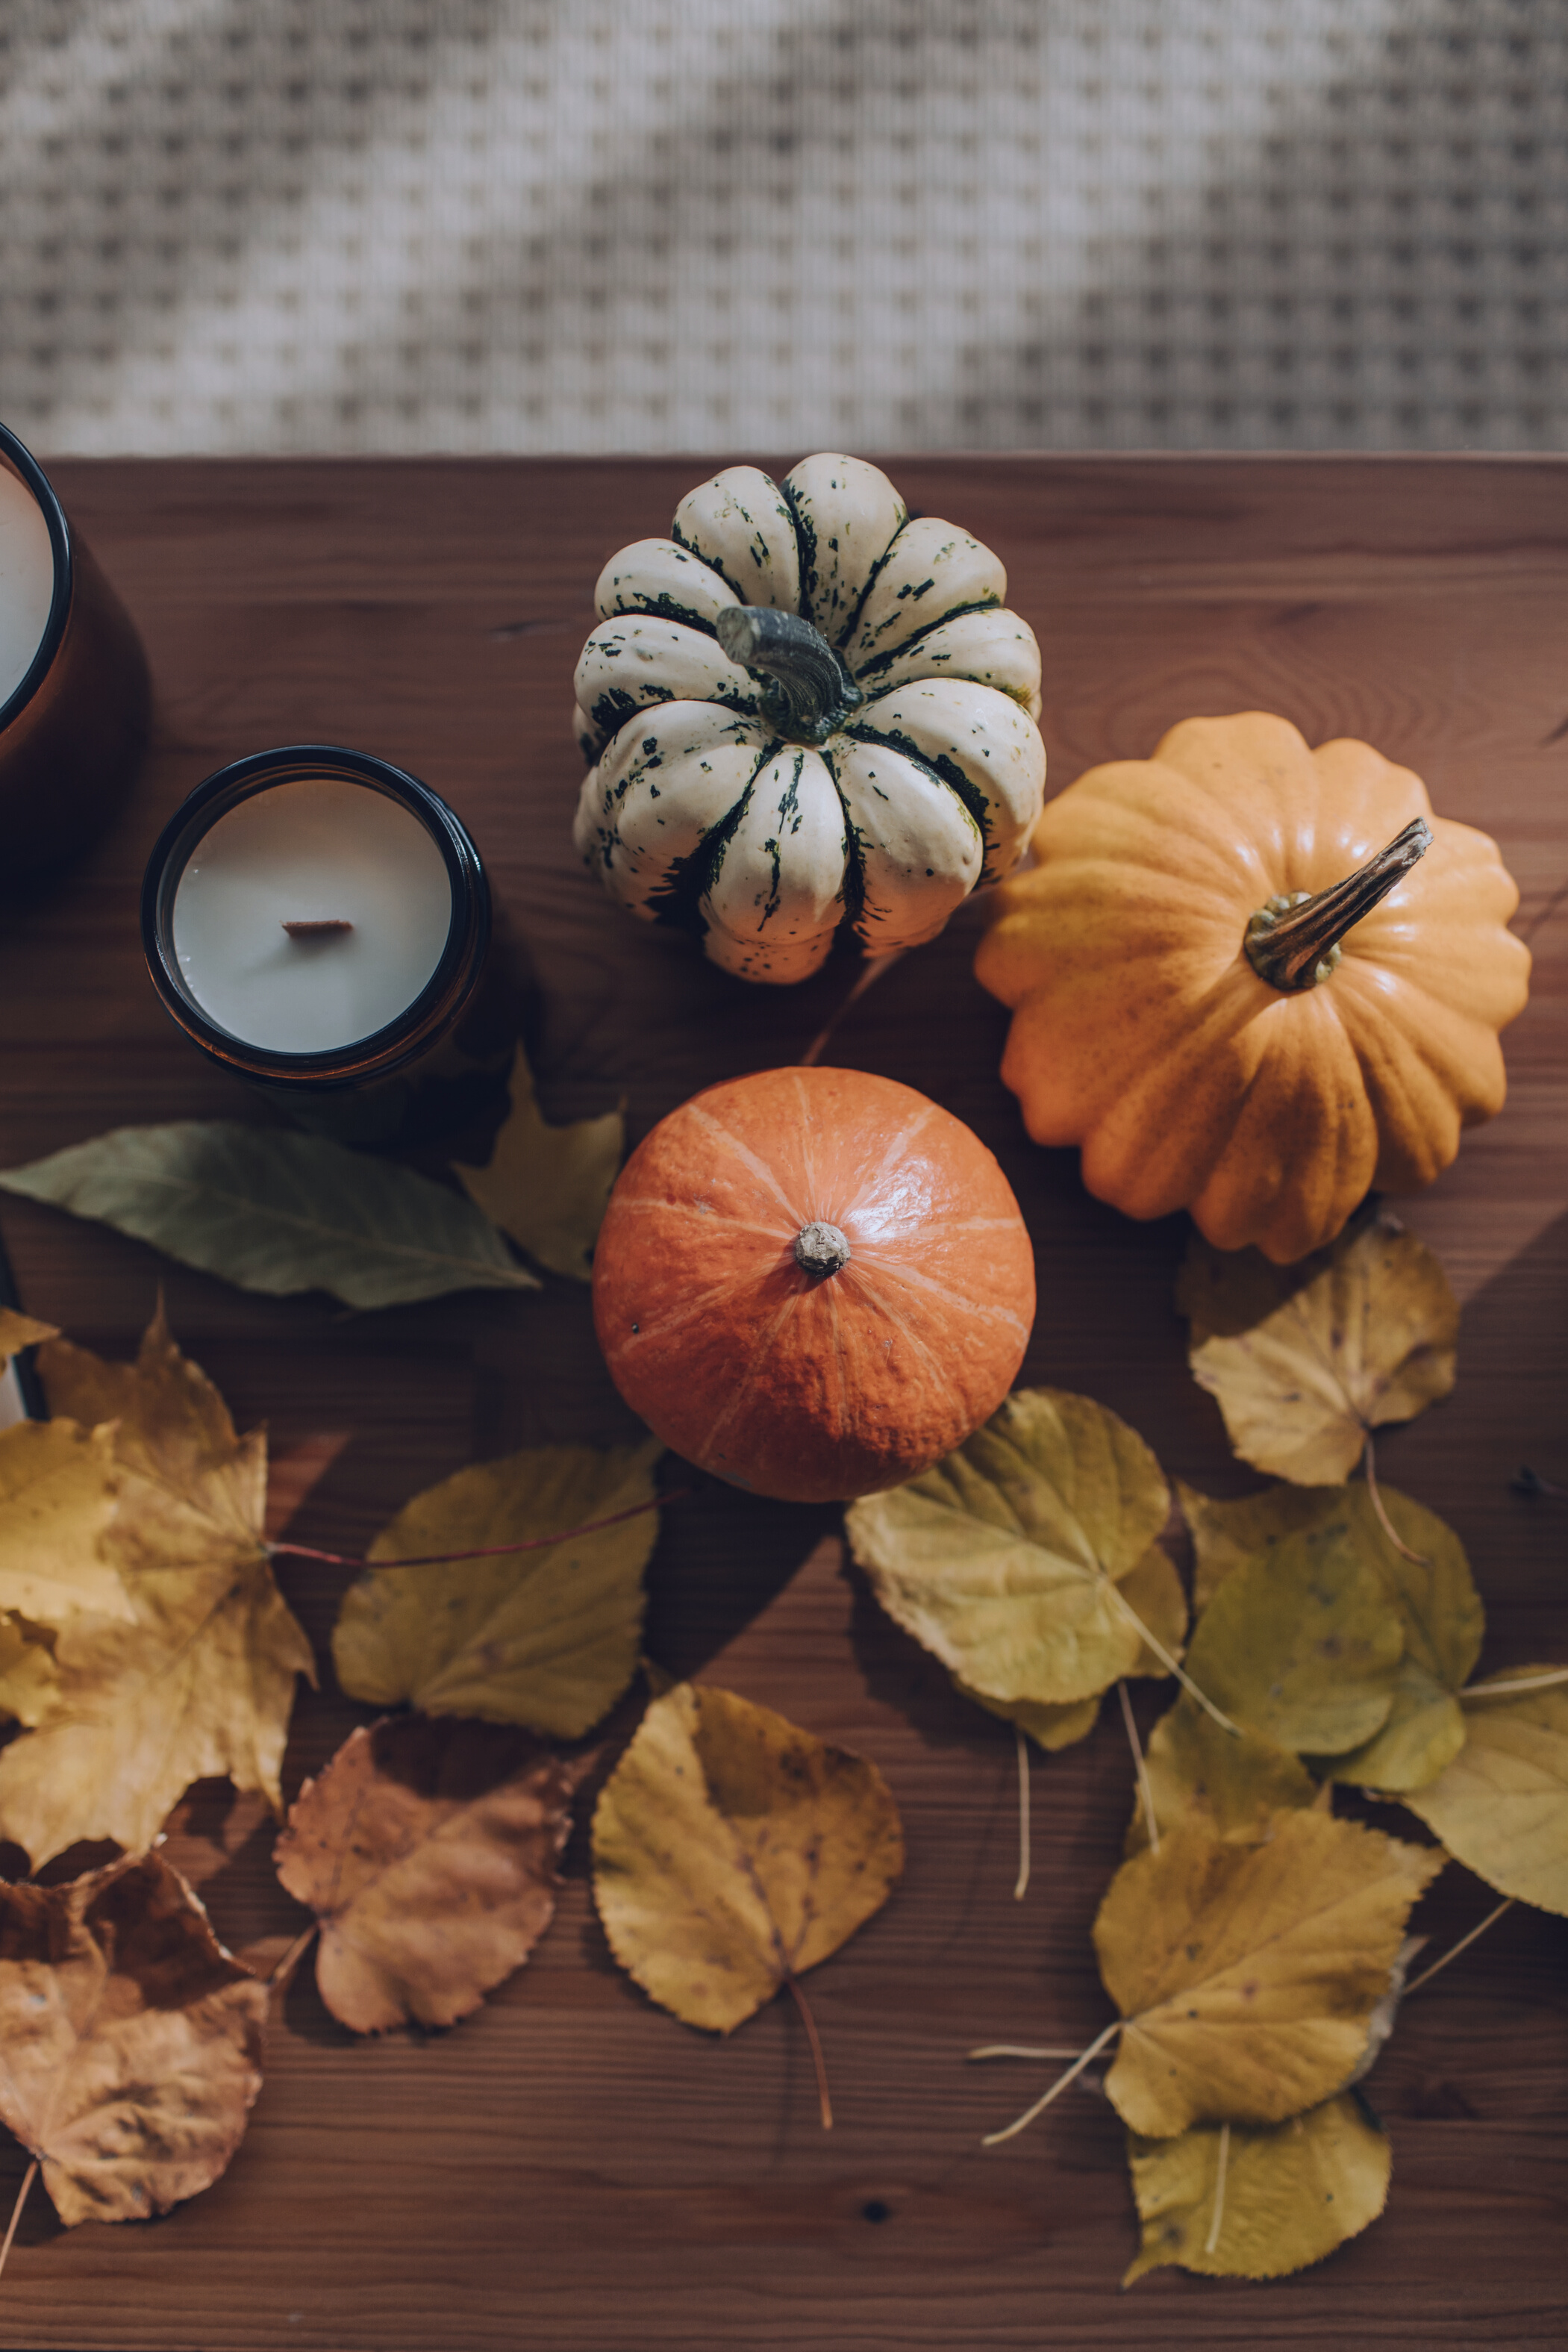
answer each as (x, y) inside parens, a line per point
(813, 1283)
(1253, 980)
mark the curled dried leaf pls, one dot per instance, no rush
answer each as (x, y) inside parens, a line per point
(132, 2039)
(427, 1851)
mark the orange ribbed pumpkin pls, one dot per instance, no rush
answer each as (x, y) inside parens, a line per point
(812, 1283)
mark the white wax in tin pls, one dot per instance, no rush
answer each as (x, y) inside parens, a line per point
(314, 849)
(27, 580)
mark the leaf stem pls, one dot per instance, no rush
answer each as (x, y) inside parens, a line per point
(1021, 1888)
(283, 1969)
(995, 2139)
(1173, 1666)
(1136, 1745)
(1506, 1689)
(1016, 2050)
(1369, 1471)
(484, 1551)
(1212, 2240)
(28, 2180)
(824, 2104)
(1453, 1953)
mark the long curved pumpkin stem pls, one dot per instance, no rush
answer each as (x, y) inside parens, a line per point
(813, 690)
(1293, 943)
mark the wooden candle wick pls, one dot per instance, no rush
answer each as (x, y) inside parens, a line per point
(317, 930)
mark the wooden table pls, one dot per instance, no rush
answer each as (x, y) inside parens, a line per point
(571, 2168)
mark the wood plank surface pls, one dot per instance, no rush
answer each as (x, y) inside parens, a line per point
(570, 2167)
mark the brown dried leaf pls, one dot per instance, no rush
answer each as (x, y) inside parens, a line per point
(427, 1851)
(131, 2040)
(199, 1684)
(1369, 1339)
(733, 1851)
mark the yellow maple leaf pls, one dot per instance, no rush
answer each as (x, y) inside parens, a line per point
(1246, 1976)
(548, 1638)
(1013, 1561)
(1501, 1806)
(200, 1681)
(57, 1497)
(1369, 1339)
(1238, 2200)
(548, 1187)
(732, 1852)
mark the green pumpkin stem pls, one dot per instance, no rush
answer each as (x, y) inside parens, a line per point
(811, 691)
(1293, 942)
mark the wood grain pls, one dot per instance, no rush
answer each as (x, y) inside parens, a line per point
(571, 2168)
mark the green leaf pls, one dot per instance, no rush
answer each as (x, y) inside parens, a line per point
(1302, 1645)
(1230, 1786)
(276, 1211)
(1226, 1535)
(549, 1187)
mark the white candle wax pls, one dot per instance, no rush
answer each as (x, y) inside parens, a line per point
(312, 850)
(27, 580)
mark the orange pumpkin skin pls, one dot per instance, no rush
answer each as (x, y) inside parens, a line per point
(1141, 1031)
(812, 1388)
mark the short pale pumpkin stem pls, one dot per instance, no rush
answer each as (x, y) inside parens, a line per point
(821, 1250)
(812, 692)
(1294, 942)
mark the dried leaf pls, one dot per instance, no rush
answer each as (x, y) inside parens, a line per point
(1247, 1975)
(200, 1683)
(549, 1187)
(57, 1497)
(548, 1638)
(276, 1211)
(1226, 1535)
(1436, 1599)
(1011, 1560)
(427, 1851)
(1288, 2194)
(18, 1331)
(1502, 1807)
(132, 2039)
(1370, 1339)
(1302, 1645)
(1230, 1788)
(732, 1850)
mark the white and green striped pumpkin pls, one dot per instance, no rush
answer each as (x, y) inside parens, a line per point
(804, 709)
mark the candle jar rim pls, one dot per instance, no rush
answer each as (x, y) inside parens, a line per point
(361, 1061)
(33, 478)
